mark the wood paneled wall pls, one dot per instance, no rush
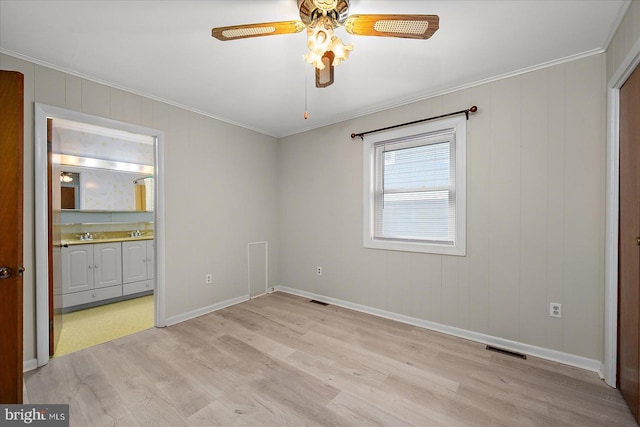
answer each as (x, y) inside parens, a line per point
(220, 193)
(535, 219)
(627, 34)
(535, 214)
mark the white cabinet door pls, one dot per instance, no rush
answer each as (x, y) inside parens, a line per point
(151, 259)
(107, 264)
(77, 268)
(134, 261)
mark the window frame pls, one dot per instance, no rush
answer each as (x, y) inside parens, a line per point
(371, 172)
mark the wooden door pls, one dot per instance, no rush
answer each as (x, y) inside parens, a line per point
(629, 245)
(68, 198)
(11, 217)
(54, 206)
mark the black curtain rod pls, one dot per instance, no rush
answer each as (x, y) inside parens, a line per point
(466, 112)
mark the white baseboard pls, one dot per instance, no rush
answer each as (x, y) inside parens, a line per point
(531, 350)
(29, 365)
(205, 310)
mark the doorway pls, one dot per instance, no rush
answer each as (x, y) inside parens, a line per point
(106, 292)
(95, 301)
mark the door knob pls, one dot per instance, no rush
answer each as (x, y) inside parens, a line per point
(5, 272)
(638, 241)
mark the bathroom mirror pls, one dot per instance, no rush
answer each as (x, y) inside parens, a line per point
(103, 169)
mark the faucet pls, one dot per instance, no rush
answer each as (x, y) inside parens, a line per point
(136, 233)
(86, 236)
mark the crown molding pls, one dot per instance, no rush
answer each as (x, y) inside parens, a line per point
(130, 90)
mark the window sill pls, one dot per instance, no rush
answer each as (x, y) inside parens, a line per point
(428, 248)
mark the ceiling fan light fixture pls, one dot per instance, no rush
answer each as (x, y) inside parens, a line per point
(320, 39)
(340, 50)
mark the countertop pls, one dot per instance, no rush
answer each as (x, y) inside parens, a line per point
(103, 238)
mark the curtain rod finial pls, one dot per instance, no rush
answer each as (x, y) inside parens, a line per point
(473, 109)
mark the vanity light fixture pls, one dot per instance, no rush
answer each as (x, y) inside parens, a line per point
(66, 177)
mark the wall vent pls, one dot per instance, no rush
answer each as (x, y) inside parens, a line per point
(507, 352)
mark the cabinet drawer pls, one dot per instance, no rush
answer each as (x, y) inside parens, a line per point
(85, 297)
(134, 288)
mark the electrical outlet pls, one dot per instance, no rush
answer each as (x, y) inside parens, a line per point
(208, 278)
(319, 271)
(555, 309)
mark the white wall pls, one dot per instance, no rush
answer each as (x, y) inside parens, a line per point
(535, 214)
(221, 189)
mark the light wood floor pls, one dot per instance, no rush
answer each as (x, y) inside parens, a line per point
(281, 360)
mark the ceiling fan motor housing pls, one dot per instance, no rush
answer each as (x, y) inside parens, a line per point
(311, 10)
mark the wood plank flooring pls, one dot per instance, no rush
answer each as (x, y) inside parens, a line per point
(280, 360)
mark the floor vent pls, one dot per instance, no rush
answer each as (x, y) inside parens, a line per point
(507, 352)
(318, 302)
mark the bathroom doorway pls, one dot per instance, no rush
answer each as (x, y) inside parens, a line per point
(100, 246)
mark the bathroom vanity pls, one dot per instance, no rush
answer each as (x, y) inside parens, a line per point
(106, 257)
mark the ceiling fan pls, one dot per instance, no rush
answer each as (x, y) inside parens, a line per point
(320, 18)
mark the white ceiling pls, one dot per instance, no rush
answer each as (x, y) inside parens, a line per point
(164, 49)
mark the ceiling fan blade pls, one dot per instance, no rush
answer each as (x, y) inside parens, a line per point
(404, 26)
(235, 32)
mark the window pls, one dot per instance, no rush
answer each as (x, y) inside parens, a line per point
(414, 188)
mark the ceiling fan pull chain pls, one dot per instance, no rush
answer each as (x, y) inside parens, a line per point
(306, 110)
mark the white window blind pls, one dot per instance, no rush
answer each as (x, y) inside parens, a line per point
(414, 188)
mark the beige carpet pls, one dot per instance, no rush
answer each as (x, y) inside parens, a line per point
(86, 328)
